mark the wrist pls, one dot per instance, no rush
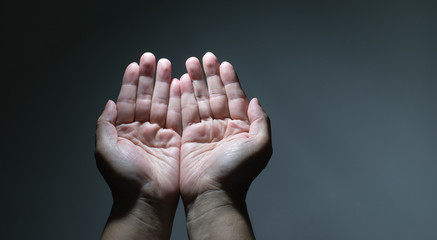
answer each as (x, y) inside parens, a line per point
(217, 214)
(139, 218)
(212, 200)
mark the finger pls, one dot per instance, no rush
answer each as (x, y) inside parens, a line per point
(106, 134)
(190, 110)
(127, 96)
(217, 93)
(158, 111)
(145, 87)
(260, 132)
(259, 121)
(237, 100)
(199, 85)
(174, 120)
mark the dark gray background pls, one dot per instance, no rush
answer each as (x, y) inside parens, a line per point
(350, 88)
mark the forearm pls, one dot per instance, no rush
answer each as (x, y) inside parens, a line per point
(139, 220)
(217, 215)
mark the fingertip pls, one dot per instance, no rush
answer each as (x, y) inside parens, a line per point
(164, 64)
(174, 86)
(109, 104)
(164, 61)
(147, 57)
(147, 64)
(185, 77)
(259, 106)
(185, 83)
(110, 112)
(227, 73)
(211, 64)
(106, 135)
(252, 104)
(133, 66)
(131, 73)
(255, 110)
(164, 69)
(226, 64)
(226, 68)
(209, 56)
(193, 67)
(107, 107)
(191, 60)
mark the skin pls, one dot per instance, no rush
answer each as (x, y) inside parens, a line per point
(137, 151)
(203, 142)
(225, 145)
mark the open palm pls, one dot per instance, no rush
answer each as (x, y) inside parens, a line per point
(226, 139)
(138, 139)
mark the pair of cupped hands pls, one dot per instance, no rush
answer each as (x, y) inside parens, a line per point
(167, 137)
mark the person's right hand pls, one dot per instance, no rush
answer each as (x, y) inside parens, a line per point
(225, 143)
(137, 151)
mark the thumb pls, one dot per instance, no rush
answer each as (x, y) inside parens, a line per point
(259, 122)
(106, 134)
